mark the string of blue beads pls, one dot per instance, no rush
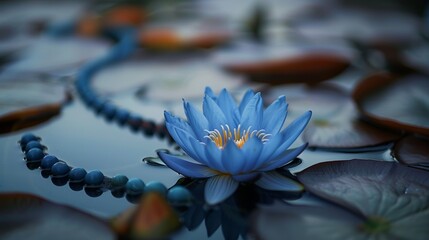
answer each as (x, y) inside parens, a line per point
(120, 185)
(103, 106)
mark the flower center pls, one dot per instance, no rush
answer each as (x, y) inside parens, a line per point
(240, 137)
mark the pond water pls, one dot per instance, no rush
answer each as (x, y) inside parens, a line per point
(84, 139)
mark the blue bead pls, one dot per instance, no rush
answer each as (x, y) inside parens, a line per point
(135, 121)
(122, 115)
(156, 187)
(26, 138)
(98, 104)
(34, 144)
(34, 154)
(48, 161)
(119, 181)
(94, 178)
(135, 186)
(109, 110)
(179, 196)
(60, 169)
(77, 174)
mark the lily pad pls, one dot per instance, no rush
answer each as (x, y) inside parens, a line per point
(400, 103)
(58, 56)
(26, 215)
(367, 200)
(184, 35)
(26, 101)
(384, 193)
(413, 151)
(335, 124)
(303, 68)
(153, 218)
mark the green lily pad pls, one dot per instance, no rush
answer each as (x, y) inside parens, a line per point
(28, 100)
(367, 200)
(385, 193)
(396, 102)
(335, 124)
(413, 151)
(28, 216)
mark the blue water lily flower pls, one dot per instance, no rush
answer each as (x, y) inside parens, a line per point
(229, 143)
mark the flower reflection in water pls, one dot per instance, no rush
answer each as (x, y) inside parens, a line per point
(231, 217)
(231, 143)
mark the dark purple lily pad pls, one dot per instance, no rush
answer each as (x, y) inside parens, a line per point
(27, 216)
(396, 102)
(380, 200)
(413, 151)
(335, 124)
(384, 193)
(28, 101)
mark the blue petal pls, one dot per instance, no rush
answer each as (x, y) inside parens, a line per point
(246, 177)
(253, 113)
(276, 182)
(232, 158)
(282, 141)
(179, 123)
(291, 133)
(252, 150)
(275, 115)
(282, 160)
(209, 92)
(219, 188)
(184, 167)
(198, 149)
(182, 139)
(268, 149)
(196, 120)
(213, 113)
(246, 98)
(227, 103)
(214, 156)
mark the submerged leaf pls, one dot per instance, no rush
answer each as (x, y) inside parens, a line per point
(27, 101)
(276, 221)
(153, 218)
(413, 151)
(335, 124)
(396, 102)
(26, 215)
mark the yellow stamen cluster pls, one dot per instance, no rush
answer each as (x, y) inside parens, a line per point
(240, 137)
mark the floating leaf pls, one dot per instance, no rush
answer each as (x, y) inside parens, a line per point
(303, 68)
(26, 101)
(396, 102)
(26, 215)
(153, 218)
(385, 193)
(413, 151)
(58, 56)
(183, 36)
(335, 124)
(380, 200)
